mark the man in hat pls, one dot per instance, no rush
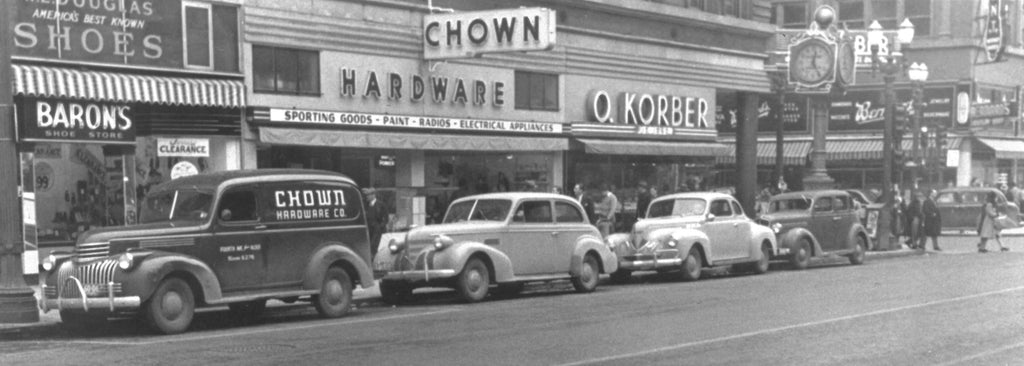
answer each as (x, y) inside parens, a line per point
(376, 218)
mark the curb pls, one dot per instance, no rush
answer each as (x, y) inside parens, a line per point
(893, 253)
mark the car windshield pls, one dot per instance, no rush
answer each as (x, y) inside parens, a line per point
(677, 207)
(478, 210)
(790, 204)
(175, 205)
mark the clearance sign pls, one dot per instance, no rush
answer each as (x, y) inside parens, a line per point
(470, 34)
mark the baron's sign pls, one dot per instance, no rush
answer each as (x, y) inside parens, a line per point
(183, 147)
(75, 121)
(470, 34)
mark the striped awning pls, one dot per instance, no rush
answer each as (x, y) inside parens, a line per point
(652, 148)
(44, 81)
(793, 153)
(859, 149)
(412, 141)
(1005, 149)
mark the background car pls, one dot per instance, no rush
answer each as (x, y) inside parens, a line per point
(686, 232)
(816, 224)
(506, 239)
(961, 207)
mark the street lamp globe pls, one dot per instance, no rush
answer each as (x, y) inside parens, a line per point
(924, 72)
(905, 34)
(917, 72)
(875, 36)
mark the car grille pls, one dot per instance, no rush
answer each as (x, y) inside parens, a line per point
(91, 251)
(762, 222)
(99, 274)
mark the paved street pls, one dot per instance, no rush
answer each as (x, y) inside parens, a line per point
(957, 307)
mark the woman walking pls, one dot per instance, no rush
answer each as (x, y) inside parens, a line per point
(986, 225)
(932, 222)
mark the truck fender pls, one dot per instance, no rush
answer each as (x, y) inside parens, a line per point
(609, 262)
(330, 254)
(457, 254)
(154, 268)
(790, 238)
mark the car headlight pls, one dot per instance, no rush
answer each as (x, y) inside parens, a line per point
(776, 227)
(443, 241)
(49, 262)
(672, 243)
(396, 246)
(125, 261)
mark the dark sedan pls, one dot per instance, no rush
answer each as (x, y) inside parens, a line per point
(961, 206)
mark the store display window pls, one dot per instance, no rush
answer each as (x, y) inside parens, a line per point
(450, 176)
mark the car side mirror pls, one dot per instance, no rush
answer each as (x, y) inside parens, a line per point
(225, 214)
(711, 217)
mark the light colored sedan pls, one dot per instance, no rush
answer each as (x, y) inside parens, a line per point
(687, 232)
(506, 239)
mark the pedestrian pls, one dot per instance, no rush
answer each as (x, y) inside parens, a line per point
(896, 224)
(605, 210)
(762, 199)
(932, 221)
(987, 225)
(913, 215)
(584, 199)
(556, 189)
(782, 186)
(376, 218)
(643, 199)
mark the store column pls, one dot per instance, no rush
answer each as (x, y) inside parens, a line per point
(409, 178)
(963, 169)
(746, 152)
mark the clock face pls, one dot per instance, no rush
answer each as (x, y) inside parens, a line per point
(814, 63)
(847, 63)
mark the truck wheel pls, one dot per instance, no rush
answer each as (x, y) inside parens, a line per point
(335, 298)
(586, 280)
(857, 257)
(801, 254)
(691, 266)
(247, 312)
(172, 306)
(393, 293)
(472, 284)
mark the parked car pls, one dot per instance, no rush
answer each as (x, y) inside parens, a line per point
(816, 224)
(235, 238)
(686, 232)
(506, 239)
(861, 201)
(960, 207)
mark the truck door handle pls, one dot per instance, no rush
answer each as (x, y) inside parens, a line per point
(837, 218)
(554, 233)
(260, 227)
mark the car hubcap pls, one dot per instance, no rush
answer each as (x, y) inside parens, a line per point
(587, 274)
(475, 281)
(171, 305)
(332, 292)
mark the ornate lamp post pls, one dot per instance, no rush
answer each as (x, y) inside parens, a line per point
(890, 68)
(918, 74)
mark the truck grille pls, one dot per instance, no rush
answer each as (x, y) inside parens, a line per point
(97, 274)
(90, 251)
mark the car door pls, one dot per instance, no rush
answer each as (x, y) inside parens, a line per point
(720, 231)
(531, 242)
(969, 209)
(948, 204)
(744, 236)
(571, 225)
(845, 217)
(822, 222)
(236, 247)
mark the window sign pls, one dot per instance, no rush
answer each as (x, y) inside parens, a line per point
(49, 120)
(863, 110)
(183, 147)
(794, 115)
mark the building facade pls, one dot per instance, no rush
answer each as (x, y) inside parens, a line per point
(626, 93)
(970, 95)
(114, 97)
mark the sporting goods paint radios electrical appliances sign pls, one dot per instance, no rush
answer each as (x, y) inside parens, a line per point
(647, 114)
(54, 120)
(133, 32)
(470, 34)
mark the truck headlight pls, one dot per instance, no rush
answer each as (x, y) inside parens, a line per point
(49, 262)
(396, 246)
(443, 241)
(776, 227)
(125, 261)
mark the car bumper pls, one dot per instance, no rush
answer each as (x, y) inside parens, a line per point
(650, 264)
(84, 303)
(782, 252)
(420, 275)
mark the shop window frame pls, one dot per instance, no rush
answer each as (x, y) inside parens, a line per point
(298, 72)
(920, 29)
(780, 11)
(525, 101)
(185, 5)
(213, 38)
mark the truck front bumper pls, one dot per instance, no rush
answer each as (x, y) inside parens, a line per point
(85, 303)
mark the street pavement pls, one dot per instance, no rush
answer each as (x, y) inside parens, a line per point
(957, 307)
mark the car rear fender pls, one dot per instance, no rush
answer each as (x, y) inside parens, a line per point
(619, 243)
(456, 256)
(855, 230)
(336, 253)
(761, 234)
(791, 238)
(145, 277)
(587, 244)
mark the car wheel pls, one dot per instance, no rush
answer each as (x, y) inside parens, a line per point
(172, 306)
(691, 265)
(801, 255)
(621, 276)
(335, 298)
(394, 292)
(474, 281)
(857, 257)
(246, 312)
(586, 280)
(761, 266)
(81, 321)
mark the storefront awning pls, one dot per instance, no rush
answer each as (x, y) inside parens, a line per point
(681, 148)
(793, 153)
(60, 82)
(417, 141)
(1005, 149)
(858, 149)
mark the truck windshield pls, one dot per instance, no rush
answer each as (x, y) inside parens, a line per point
(790, 204)
(478, 210)
(176, 205)
(677, 207)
